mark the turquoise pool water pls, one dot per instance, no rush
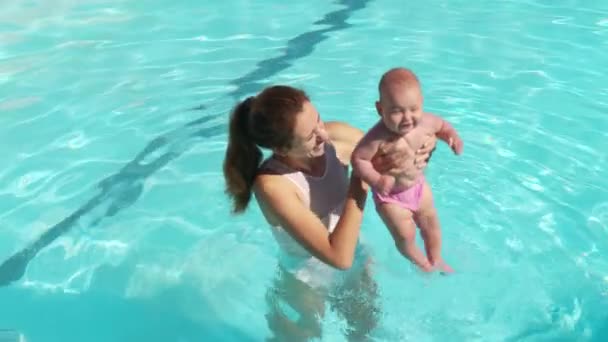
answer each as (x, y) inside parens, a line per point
(112, 126)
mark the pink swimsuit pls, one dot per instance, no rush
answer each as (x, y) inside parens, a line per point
(409, 198)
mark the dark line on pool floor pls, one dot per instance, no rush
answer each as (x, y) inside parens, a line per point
(120, 190)
(298, 47)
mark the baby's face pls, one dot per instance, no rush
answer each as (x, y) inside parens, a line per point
(400, 106)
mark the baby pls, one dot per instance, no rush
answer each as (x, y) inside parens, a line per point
(403, 197)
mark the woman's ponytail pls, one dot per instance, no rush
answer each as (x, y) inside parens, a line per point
(243, 157)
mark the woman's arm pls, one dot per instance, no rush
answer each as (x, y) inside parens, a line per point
(287, 210)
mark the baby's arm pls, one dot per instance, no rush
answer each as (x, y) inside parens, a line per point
(361, 159)
(445, 132)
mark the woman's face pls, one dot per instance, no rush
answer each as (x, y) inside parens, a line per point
(309, 134)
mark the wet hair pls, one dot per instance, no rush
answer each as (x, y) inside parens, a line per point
(266, 120)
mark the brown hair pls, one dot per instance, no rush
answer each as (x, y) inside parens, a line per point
(267, 121)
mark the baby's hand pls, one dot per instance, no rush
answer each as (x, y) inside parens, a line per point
(456, 144)
(385, 184)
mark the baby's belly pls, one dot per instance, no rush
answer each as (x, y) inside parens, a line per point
(406, 180)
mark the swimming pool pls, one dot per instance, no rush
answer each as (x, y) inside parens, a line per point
(112, 118)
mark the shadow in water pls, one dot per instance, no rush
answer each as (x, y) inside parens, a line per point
(117, 192)
(297, 47)
(122, 189)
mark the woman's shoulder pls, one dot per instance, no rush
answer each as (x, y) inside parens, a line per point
(270, 183)
(344, 138)
(273, 192)
(342, 132)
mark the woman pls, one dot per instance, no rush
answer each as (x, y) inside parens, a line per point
(314, 208)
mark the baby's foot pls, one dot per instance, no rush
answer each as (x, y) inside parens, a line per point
(426, 268)
(443, 268)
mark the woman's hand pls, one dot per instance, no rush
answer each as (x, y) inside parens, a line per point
(391, 155)
(394, 154)
(425, 151)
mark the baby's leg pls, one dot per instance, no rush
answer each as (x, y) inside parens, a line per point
(399, 222)
(430, 229)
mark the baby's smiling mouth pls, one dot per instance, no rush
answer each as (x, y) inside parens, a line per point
(406, 125)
